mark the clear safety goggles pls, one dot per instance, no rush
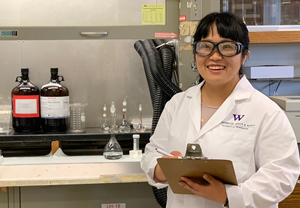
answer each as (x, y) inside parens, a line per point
(225, 48)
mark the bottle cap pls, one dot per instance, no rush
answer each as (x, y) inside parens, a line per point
(25, 71)
(54, 70)
(136, 136)
(104, 107)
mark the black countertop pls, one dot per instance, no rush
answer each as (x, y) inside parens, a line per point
(91, 142)
(91, 134)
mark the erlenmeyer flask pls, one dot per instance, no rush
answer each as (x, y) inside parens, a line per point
(112, 149)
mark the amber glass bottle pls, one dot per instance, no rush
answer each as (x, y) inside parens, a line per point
(25, 105)
(54, 105)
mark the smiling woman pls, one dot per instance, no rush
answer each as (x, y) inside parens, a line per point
(241, 125)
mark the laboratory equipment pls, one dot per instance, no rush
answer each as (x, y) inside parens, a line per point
(140, 127)
(272, 12)
(136, 152)
(77, 117)
(112, 149)
(124, 127)
(104, 127)
(25, 105)
(5, 115)
(291, 106)
(113, 117)
(55, 108)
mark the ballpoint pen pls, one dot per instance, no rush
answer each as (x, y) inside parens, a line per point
(164, 153)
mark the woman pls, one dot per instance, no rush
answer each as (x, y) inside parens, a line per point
(230, 120)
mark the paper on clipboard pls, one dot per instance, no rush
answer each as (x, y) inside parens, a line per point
(174, 169)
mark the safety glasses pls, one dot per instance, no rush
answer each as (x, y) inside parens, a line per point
(225, 48)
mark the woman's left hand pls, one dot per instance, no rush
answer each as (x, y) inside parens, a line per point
(214, 190)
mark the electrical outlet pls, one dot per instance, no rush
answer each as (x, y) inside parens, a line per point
(196, 10)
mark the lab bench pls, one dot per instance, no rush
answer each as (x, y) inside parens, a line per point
(92, 142)
(68, 178)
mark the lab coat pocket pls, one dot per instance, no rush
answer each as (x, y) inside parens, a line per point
(237, 147)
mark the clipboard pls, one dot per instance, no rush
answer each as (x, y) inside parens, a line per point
(175, 168)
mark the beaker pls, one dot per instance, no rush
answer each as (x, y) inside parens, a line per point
(5, 118)
(77, 117)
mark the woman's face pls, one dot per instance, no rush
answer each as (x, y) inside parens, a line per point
(217, 69)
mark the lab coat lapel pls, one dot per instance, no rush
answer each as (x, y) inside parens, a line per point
(218, 116)
(243, 90)
(194, 106)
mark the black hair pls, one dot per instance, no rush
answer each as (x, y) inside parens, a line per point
(228, 26)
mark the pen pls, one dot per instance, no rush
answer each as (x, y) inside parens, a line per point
(162, 152)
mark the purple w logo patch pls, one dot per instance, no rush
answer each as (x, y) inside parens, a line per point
(238, 117)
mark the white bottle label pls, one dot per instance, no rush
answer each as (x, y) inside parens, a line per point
(55, 107)
(26, 106)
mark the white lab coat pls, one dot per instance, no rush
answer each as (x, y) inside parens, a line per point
(249, 129)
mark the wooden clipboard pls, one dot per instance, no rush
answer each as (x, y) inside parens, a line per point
(174, 169)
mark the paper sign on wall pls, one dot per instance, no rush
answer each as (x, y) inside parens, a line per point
(153, 14)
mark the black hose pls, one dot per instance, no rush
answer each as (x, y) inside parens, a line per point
(157, 69)
(160, 66)
(151, 84)
(168, 59)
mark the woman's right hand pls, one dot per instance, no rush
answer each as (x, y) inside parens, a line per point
(158, 174)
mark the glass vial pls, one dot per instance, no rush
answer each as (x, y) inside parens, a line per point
(112, 149)
(136, 141)
(124, 127)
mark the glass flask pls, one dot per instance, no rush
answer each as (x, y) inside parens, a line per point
(104, 127)
(140, 127)
(124, 127)
(112, 149)
(113, 117)
(25, 105)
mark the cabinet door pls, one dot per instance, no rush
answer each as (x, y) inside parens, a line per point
(264, 12)
(3, 199)
(293, 200)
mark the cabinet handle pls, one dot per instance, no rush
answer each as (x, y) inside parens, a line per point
(93, 33)
(298, 181)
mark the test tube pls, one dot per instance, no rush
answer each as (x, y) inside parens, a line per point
(136, 141)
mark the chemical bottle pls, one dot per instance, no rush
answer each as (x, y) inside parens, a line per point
(55, 109)
(25, 105)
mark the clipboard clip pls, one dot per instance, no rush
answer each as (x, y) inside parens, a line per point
(193, 151)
